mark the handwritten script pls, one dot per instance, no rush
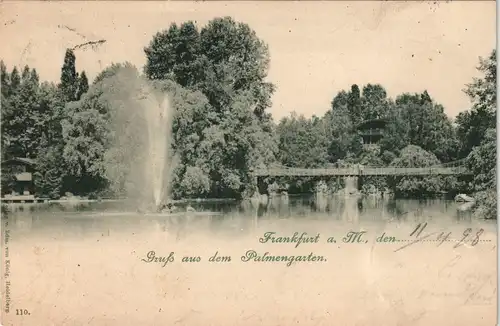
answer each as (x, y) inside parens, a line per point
(468, 236)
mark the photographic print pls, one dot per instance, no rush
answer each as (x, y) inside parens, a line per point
(253, 163)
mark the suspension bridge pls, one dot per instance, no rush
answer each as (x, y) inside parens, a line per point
(451, 168)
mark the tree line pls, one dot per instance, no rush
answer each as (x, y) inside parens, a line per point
(222, 130)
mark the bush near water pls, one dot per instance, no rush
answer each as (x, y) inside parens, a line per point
(216, 78)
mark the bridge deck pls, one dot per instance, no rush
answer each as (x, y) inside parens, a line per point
(354, 171)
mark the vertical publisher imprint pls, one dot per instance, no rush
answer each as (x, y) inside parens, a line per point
(6, 274)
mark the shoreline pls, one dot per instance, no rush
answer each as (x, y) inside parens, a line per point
(5, 201)
(460, 206)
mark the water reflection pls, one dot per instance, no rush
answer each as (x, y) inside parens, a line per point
(82, 219)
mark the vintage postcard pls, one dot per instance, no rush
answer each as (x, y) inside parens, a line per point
(249, 163)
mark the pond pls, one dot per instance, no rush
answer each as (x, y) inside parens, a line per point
(87, 263)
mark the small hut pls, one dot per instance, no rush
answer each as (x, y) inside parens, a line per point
(372, 131)
(20, 170)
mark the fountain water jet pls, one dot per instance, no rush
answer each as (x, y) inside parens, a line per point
(158, 131)
(139, 163)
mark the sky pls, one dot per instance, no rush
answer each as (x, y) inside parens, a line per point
(316, 48)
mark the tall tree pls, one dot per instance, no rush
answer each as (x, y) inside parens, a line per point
(69, 77)
(5, 79)
(472, 124)
(375, 102)
(51, 167)
(83, 85)
(19, 115)
(225, 57)
(482, 91)
(86, 127)
(238, 58)
(344, 140)
(175, 54)
(25, 75)
(303, 142)
(34, 77)
(482, 162)
(4, 103)
(417, 120)
(477, 132)
(355, 104)
(15, 79)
